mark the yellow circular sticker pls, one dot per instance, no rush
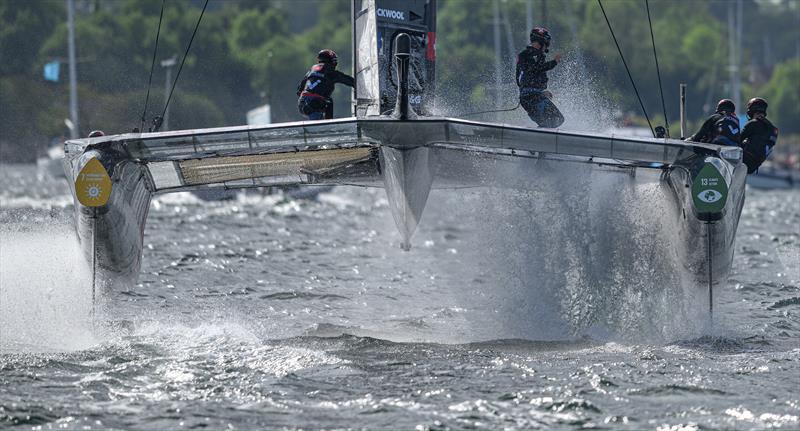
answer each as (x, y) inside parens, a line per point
(93, 186)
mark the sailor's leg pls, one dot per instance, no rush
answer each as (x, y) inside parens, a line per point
(306, 107)
(329, 110)
(550, 116)
(541, 109)
(529, 105)
(311, 108)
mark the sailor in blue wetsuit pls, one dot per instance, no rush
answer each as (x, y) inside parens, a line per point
(721, 128)
(532, 80)
(759, 135)
(315, 90)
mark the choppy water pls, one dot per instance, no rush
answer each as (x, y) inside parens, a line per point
(273, 312)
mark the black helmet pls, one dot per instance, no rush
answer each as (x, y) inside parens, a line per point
(756, 104)
(328, 56)
(541, 35)
(726, 105)
(96, 134)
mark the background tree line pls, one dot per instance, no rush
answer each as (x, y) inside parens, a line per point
(251, 52)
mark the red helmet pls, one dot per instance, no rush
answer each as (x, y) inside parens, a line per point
(328, 56)
(756, 104)
(541, 35)
(726, 105)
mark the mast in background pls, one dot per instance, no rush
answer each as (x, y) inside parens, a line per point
(737, 90)
(544, 13)
(735, 52)
(73, 74)
(797, 36)
(168, 64)
(683, 111)
(498, 67)
(528, 17)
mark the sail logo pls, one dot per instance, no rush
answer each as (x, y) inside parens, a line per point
(393, 14)
(709, 196)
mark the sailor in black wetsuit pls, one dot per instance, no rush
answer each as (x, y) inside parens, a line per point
(759, 135)
(721, 128)
(317, 86)
(532, 80)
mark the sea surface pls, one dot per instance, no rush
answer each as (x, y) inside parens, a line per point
(512, 310)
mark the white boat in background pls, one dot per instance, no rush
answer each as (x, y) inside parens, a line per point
(772, 177)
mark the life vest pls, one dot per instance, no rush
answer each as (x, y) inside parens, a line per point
(726, 130)
(758, 139)
(319, 82)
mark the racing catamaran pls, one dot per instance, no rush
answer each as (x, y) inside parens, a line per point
(394, 142)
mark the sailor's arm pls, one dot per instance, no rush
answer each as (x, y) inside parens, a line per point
(704, 132)
(343, 78)
(538, 66)
(753, 130)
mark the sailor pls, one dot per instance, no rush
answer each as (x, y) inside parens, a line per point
(759, 135)
(721, 128)
(532, 80)
(316, 87)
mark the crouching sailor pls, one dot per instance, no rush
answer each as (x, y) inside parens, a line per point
(532, 80)
(759, 136)
(316, 87)
(721, 128)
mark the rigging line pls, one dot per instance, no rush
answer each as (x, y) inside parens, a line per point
(152, 66)
(626, 68)
(658, 70)
(710, 273)
(178, 75)
(94, 262)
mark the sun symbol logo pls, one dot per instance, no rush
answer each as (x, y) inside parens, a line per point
(93, 192)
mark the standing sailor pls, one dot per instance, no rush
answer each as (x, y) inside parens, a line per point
(721, 128)
(315, 89)
(759, 135)
(532, 80)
